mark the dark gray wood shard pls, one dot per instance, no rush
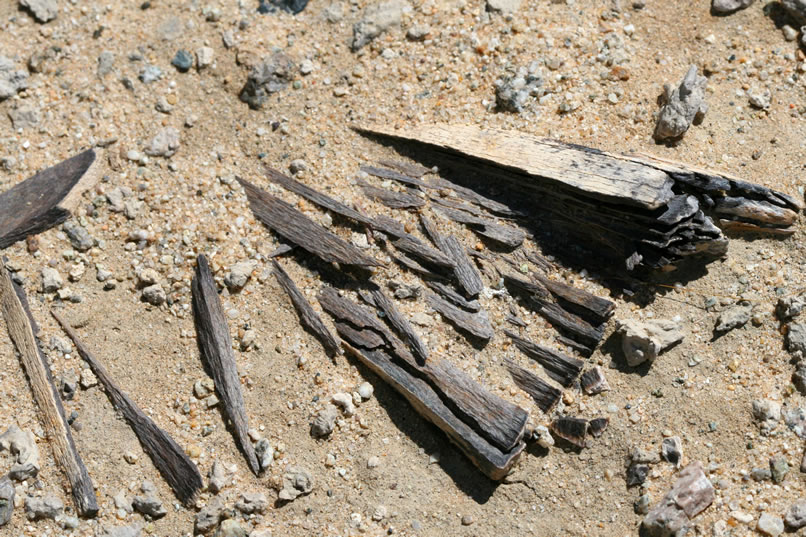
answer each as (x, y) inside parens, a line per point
(215, 346)
(380, 300)
(453, 297)
(307, 316)
(23, 332)
(466, 274)
(544, 394)
(558, 366)
(411, 169)
(571, 429)
(475, 324)
(384, 173)
(168, 457)
(390, 198)
(43, 200)
(486, 227)
(293, 226)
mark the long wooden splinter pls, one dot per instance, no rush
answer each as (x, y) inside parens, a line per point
(22, 329)
(215, 345)
(173, 464)
(45, 199)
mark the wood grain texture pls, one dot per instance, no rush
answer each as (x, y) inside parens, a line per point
(447, 292)
(593, 172)
(384, 173)
(307, 315)
(215, 346)
(22, 330)
(412, 169)
(391, 198)
(492, 461)
(509, 236)
(44, 200)
(475, 324)
(293, 226)
(544, 394)
(380, 300)
(168, 457)
(571, 429)
(564, 369)
(597, 307)
(464, 270)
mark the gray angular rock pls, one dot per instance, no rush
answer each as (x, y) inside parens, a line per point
(671, 450)
(11, 80)
(24, 116)
(644, 341)
(796, 9)
(733, 317)
(683, 105)
(149, 505)
(796, 515)
(760, 474)
(210, 515)
(132, 530)
(297, 482)
(511, 93)
(154, 295)
(725, 7)
(240, 273)
(42, 10)
(231, 528)
(106, 61)
(770, 525)
(264, 453)
(149, 74)
(52, 281)
(641, 505)
(324, 422)
(795, 420)
(164, 144)
(78, 235)
(779, 467)
(182, 60)
(691, 494)
(767, 413)
(376, 20)
(503, 6)
(796, 338)
(6, 500)
(790, 307)
(204, 57)
(637, 474)
(23, 447)
(761, 99)
(271, 75)
(252, 502)
(220, 476)
(46, 507)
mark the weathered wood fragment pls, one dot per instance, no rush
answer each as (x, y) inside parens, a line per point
(548, 161)
(453, 297)
(215, 346)
(474, 197)
(558, 366)
(390, 198)
(475, 324)
(23, 330)
(412, 169)
(593, 381)
(501, 422)
(384, 173)
(415, 266)
(168, 457)
(597, 307)
(307, 315)
(458, 205)
(735, 226)
(571, 429)
(467, 275)
(280, 250)
(491, 460)
(415, 247)
(544, 394)
(295, 227)
(316, 197)
(44, 200)
(597, 426)
(380, 300)
(486, 227)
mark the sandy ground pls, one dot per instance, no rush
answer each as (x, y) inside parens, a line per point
(425, 484)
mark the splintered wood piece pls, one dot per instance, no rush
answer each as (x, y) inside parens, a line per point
(390, 198)
(384, 173)
(467, 275)
(546, 162)
(762, 212)
(458, 205)
(307, 315)
(173, 464)
(297, 228)
(544, 394)
(600, 308)
(474, 197)
(500, 421)
(734, 226)
(559, 367)
(597, 426)
(593, 381)
(381, 301)
(571, 429)
(415, 266)
(22, 329)
(280, 250)
(453, 297)
(407, 168)
(476, 324)
(413, 246)
(314, 196)
(45, 199)
(486, 227)
(488, 458)
(215, 345)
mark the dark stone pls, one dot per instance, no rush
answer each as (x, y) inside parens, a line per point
(636, 474)
(290, 6)
(183, 61)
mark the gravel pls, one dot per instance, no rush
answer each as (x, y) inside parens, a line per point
(154, 295)
(271, 75)
(182, 60)
(149, 504)
(6, 500)
(252, 502)
(42, 10)
(503, 6)
(150, 74)
(52, 281)
(770, 525)
(732, 318)
(164, 144)
(297, 482)
(512, 93)
(779, 468)
(796, 515)
(377, 19)
(264, 453)
(231, 528)
(22, 446)
(796, 338)
(345, 402)
(46, 507)
(133, 530)
(210, 515)
(324, 422)
(725, 7)
(671, 517)
(240, 273)
(760, 99)
(204, 57)
(220, 477)
(79, 237)
(644, 341)
(672, 450)
(24, 116)
(11, 80)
